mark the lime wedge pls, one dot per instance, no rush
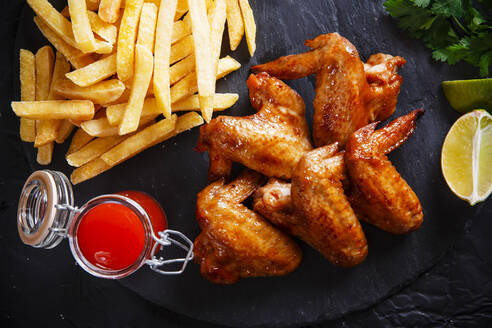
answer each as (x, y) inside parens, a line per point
(466, 158)
(467, 95)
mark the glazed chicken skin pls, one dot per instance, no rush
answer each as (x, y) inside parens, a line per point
(271, 141)
(346, 99)
(316, 209)
(236, 242)
(379, 195)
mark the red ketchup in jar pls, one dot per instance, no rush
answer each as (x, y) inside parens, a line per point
(110, 236)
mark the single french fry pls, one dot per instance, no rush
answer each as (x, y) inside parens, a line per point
(139, 141)
(76, 57)
(81, 26)
(107, 32)
(95, 72)
(235, 24)
(109, 10)
(88, 171)
(61, 26)
(144, 63)
(126, 39)
(100, 93)
(45, 154)
(48, 128)
(188, 85)
(181, 9)
(180, 30)
(79, 110)
(181, 69)
(222, 101)
(181, 49)
(147, 26)
(204, 62)
(249, 25)
(93, 150)
(64, 131)
(44, 69)
(217, 25)
(27, 78)
(79, 140)
(184, 123)
(163, 56)
(101, 127)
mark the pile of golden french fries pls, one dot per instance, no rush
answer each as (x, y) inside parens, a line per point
(119, 65)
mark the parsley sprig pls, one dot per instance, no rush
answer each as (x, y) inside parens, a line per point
(454, 29)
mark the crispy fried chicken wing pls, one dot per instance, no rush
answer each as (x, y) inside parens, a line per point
(271, 141)
(315, 207)
(346, 99)
(236, 242)
(379, 195)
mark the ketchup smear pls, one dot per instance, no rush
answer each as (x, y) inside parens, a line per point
(112, 237)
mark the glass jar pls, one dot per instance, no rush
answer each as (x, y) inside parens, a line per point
(46, 215)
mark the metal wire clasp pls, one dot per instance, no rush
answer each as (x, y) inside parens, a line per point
(165, 238)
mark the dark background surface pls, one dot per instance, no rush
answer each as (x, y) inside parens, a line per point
(44, 288)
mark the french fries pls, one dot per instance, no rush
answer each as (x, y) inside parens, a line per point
(109, 10)
(204, 62)
(126, 39)
(217, 24)
(79, 140)
(249, 25)
(61, 26)
(181, 49)
(222, 101)
(45, 154)
(76, 57)
(100, 93)
(111, 45)
(93, 150)
(147, 26)
(64, 131)
(188, 85)
(95, 72)
(44, 69)
(47, 130)
(235, 24)
(139, 142)
(163, 56)
(88, 171)
(107, 32)
(101, 128)
(81, 26)
(181, 69)
(27, 74)
(79, 110)
(144, 63)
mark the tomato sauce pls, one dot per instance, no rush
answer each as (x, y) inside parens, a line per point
(112, 237)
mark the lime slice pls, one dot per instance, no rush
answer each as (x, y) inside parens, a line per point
(466, 158)
(467, 95)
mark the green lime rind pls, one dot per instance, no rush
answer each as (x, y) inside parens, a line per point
(467, 95)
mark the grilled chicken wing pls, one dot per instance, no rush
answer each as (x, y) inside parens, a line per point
(236, 242)
(271, 141)
(379, 195)
(319, 212)
(346, 99)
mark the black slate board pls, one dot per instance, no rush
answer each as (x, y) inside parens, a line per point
(173, 173)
